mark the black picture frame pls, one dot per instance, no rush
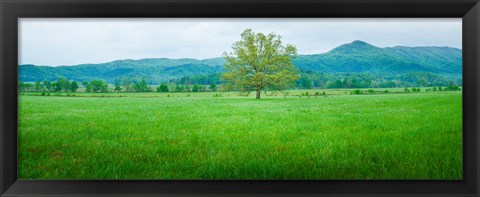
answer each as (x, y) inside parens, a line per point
(11, 10)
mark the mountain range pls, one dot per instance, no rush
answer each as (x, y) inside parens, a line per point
(354, 57)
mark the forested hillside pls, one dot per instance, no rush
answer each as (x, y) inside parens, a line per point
(354, 64)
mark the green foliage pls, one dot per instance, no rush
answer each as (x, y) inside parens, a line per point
(57, 87)
(179, 88)
(88, 88)
(452, 88)
(20, 86)
(118, 86)
(127, 84)
(213, 87)
(200, 79)
(37, 86)
(260, 62)
(142, 86)
(416, 89)
(406, 90)
(47, 85)
(195, 88)
(73, 86)
(357, 91)
(372, 80)
(304, 82)
(187, 88)
(162, 88)
(97, 86)
(63, 84)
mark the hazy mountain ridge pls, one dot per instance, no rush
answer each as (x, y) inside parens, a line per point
(359, 56)
(355, 57)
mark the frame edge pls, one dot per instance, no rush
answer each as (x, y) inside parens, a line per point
(6, 181)
(471, 42)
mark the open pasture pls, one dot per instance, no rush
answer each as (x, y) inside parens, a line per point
(206, 136)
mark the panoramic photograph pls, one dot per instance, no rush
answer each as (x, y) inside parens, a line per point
(240, 99)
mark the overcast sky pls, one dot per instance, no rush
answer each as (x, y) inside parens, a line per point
(75, 41)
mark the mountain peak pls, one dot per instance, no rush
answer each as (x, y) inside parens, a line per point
(359, 42)
(356, 45)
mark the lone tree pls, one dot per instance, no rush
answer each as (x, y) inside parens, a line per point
(162, 88)
(73, 86)
(213, 87)
(259, 63)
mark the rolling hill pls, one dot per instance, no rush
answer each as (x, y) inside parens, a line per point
(360, 56)
(355, 57)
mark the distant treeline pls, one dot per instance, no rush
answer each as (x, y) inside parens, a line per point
(311, 80)
(212, 83)
(65, 85)
(197, 79)
(61, 85)
(120, 85)
(315, 80)
(406, 90)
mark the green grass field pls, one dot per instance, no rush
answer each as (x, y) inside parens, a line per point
(199, 136)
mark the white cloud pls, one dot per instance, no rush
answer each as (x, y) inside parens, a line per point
(75, 41)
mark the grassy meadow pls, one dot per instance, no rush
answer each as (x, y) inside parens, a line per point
(213, 135)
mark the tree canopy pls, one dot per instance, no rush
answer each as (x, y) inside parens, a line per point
(260, 62)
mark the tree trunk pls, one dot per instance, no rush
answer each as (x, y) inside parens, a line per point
(258, 94)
